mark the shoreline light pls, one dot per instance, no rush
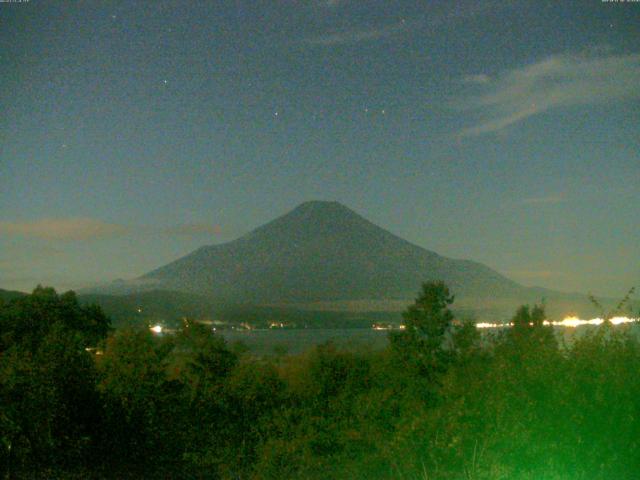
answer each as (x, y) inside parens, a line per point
(571, 322)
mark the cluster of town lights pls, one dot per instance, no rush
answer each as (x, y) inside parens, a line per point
(571, 322)
(567, 322)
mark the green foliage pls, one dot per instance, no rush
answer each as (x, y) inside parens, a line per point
(210, 361)
(466, 340)
(47, 381)
(441, 402)
(529, 333)
(26, 320)
(430, 316)
(420, 346)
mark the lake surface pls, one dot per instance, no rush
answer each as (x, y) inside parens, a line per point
(266, 342)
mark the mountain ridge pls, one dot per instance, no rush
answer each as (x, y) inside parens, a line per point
(324, 257)
(321, 251)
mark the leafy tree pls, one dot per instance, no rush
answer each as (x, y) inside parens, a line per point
(430, 316)
(256, 394)
(26, 320)
(204, 363)
(440, 403)
(421, 344)
(131, 381)
(466, 341)
(47, 380)
(529, 330)
(207, 360)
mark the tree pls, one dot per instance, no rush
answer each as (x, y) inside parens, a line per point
(209, 361)
(430, 316)
(47, 380)
(529, 329)
(131, 381)
(466, 340)
(426, 324)
(203, 363)
(27, 320)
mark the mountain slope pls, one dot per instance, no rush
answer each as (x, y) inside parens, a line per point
(322, 251)
(8, 295)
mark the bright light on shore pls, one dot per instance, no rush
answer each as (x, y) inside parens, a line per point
(619, 320)
(576, 322)
(571, 322)
(156, 329)
(492, 325)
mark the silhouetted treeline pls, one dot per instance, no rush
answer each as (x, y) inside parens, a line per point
(78, 400)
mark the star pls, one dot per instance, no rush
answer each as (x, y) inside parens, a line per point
(165, 81)
(275, 114)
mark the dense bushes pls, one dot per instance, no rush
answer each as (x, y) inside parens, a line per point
(439, 403)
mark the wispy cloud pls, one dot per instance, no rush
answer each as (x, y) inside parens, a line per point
(63, 229)
(91, 229)
(557, 81)
(433, 18)
(357, 36)
(479, 78)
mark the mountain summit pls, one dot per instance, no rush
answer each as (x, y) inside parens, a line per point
(322, 252)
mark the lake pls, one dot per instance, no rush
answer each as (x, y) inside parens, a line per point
(293, 341)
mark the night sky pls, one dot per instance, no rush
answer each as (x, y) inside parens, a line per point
(505, 132)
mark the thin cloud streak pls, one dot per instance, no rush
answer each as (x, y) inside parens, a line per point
(63, 229)
(82, 229)
(558, 81)
(357, 36)
(430, 21)
(479, 78)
